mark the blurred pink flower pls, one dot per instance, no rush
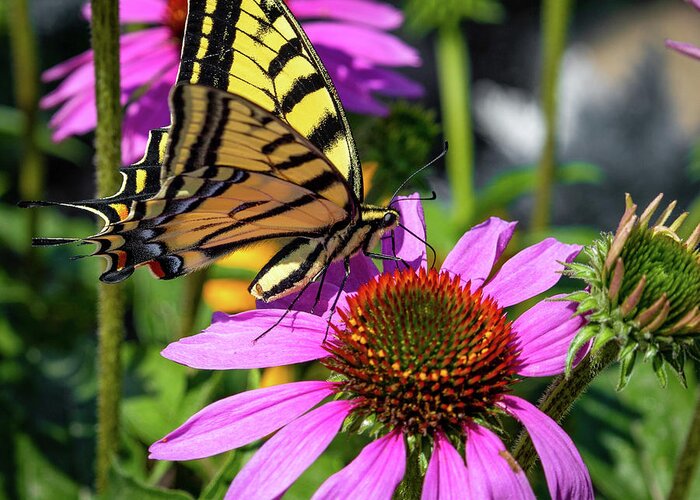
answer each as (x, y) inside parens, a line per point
(351, 37)
(686, 48)
(413, 353)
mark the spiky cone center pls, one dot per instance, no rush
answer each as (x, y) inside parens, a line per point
(175, 16)
(671, 282)
(421, 352)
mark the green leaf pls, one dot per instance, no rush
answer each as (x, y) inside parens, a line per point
(630, 440)
(506, 188)
(220, 482)
(121, 485)
(70, 149)
(583, 336)
(37, 477)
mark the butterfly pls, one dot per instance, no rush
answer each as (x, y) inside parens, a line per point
(259, 148)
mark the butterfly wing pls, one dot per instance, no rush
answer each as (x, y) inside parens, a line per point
(256, 49)
(252, 185)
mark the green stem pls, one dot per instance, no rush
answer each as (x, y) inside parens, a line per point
(555, 20)
(105, 43)
(453, 69)
(561, 395)
(26, 90)
(688, 461)
(192, 298)
(412, 483)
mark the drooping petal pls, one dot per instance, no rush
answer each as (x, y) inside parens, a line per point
(231, 342)
(388, 83)
(362, 270)
(474, 255)
(374, 474)
(566, 474)
(238, 420)
(150, 111)
(378, 15)
(491, 471)
(687, 49)
(530, 272)
(283, 458)
(446, 477)
(366, 45)
(545, 332)
(136, 12)
(407, 246)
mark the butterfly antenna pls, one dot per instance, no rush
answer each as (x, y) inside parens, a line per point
(430, 163)
(433, 196)
(432, 249)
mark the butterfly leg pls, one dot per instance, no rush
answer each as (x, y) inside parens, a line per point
(320, 288)
(286, 312)
(346, 263)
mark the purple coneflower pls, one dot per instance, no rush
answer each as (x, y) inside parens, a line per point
(683, 47)
(351, 36)
(421, 360)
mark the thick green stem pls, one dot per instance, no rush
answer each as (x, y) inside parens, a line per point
(191, 299)
(555, 21)
(412, 483)
(26, 90)
(688, 461)
(105, 43)
(453, 69)
(561, 395)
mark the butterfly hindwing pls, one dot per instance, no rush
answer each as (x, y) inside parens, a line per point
(242, 185)
(256, 49)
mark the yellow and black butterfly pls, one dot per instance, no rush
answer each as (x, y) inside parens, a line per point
(258, 148)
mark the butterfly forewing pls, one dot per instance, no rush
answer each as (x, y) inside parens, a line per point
(255, 49)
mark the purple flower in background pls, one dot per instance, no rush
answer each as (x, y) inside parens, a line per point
(414, 352)
(686, 48)
(351, 36)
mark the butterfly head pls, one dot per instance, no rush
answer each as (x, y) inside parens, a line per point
(376, 221)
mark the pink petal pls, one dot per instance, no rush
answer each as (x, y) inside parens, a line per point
(378, 15)
(545, 332)
(474, 255)
(687, 49)
(137, 11)
(230, 341)
(76, 116)
(567, 476)
(530, 272)
(374, 473)
(407, 246)
(446, 477)
(388, 82)
(365, 44)
(283, 458)
(307, 300)
(492, 472)
(238, 420)
(362, 270)
(67, 66)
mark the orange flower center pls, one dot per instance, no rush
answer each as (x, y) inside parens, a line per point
(421, 352)
(175, 16)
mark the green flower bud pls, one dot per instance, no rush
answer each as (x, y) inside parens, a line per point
(643, 291)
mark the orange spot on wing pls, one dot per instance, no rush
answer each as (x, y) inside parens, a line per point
(155, 268)
(121, 259)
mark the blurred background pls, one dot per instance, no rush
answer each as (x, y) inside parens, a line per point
(628, 121)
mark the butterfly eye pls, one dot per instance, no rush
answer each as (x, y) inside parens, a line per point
(389, 219)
